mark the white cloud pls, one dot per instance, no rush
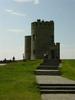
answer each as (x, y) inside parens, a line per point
(15, 13)
(8, 10)
(16, 30)
(36, 2)
(27, 1)
(23, 0)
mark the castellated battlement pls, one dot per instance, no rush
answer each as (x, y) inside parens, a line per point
(42, 40)
(42, 22)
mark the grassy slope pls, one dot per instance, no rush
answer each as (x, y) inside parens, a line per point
(17, 81)
(68, 69)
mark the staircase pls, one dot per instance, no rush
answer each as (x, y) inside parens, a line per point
(55, 88)
(47, 72)
(46, 69)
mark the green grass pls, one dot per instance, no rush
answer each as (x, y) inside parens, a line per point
(68, 69)
(17, 81)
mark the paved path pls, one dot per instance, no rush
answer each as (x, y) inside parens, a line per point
(58, 96)
(2, 64)
(47, 79)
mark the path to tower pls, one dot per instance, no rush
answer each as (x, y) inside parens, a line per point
(52, 85)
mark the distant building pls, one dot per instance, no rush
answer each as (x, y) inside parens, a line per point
(41, 41)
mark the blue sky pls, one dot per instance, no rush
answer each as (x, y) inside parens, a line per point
(15, 22)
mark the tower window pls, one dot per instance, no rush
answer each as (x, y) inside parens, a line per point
(33, 51)
(34, 37)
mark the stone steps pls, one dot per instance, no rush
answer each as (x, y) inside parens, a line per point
(48, 67)
(47, 72)
(57, 88)
(47, 91)
(49, 86)
(53, 85)
(54, 62)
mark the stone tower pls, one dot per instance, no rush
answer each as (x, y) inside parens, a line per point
(41, 42)
(27, 47)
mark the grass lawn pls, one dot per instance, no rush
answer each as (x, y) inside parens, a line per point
(68, 69)
(17, 81)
